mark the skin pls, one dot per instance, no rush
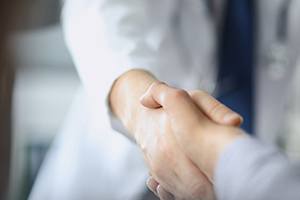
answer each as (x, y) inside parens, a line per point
(150, 126)
(194, 132)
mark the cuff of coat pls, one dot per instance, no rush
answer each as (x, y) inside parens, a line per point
(242, 166)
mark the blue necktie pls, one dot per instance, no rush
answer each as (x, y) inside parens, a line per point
(236, 60)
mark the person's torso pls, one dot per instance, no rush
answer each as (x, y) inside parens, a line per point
(275, 61)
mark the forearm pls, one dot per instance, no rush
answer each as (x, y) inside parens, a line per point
(216, 144)
(125, 95)
(210, 144)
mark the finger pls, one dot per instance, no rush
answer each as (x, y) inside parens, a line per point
(157, 93)
(215, 110)
(152, 184)
(163, 194)
(176, 102)
(147, 99)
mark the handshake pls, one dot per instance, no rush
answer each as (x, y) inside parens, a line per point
(181, 134)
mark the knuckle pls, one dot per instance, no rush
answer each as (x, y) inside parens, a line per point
(198, 94)
(157, 84)
(216, 108)
(179, 93)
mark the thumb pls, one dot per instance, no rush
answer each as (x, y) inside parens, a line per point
(215, 110)
(175, 102)
(148, 99)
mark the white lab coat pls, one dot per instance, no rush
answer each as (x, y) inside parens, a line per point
(174, 39)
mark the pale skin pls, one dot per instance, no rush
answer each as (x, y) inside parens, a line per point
(205, 136)
(158, 127)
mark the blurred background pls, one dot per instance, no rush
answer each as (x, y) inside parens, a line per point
(44, 87)
(46, 82)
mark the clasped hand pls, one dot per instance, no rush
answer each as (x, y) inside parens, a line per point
(181, 135)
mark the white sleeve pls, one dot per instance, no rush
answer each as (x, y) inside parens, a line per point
(252, 170)
(108, 37)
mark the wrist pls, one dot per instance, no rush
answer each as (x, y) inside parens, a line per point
(212, 143)
(125, 95)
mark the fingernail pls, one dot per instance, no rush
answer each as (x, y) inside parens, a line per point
(152, 185)
(164, 195)
(233, 118)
